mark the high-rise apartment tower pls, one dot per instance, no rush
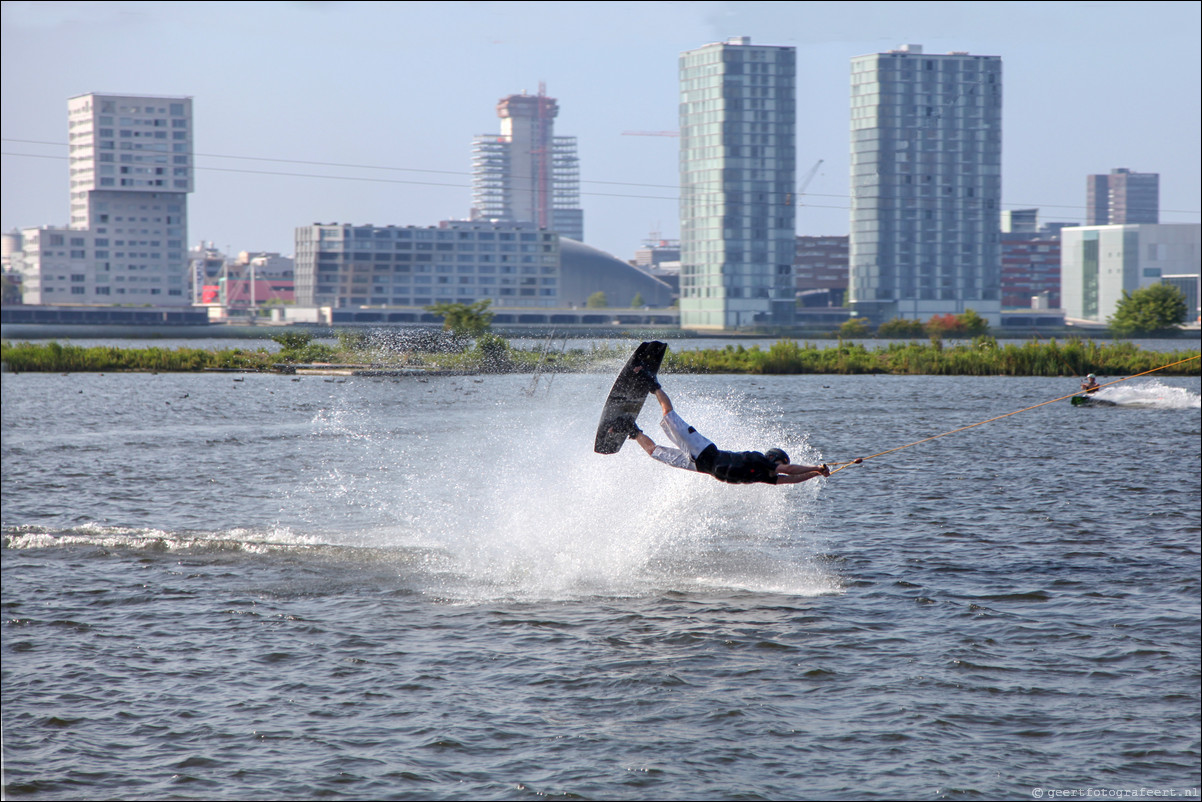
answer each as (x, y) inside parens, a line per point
(526, 174)
(126, 151)
(130, 162)
(1122, 198)
(926, 156)
(737, 185)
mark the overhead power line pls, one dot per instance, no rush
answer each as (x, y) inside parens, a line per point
(312, 163)
(843, 199)
(366, 179)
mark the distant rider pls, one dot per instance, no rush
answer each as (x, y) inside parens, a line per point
(1090, 385)
(696, 453)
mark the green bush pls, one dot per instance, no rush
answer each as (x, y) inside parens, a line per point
(900, 328)
(298, 348)
(854, 329)
(492, 351)
(464, 320)
(1154, 309)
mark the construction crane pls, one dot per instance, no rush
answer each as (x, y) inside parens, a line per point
(805, 182)
(650, 133)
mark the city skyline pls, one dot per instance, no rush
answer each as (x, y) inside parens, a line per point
(288, 95)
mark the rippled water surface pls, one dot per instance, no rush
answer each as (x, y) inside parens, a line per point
(263, 587)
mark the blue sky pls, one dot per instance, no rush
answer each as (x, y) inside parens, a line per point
(364, 112)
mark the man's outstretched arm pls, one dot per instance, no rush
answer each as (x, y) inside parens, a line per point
(795, 478)
(794, 474)
(646, 442)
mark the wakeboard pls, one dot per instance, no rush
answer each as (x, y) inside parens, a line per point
(627, 396)
(1091, 401)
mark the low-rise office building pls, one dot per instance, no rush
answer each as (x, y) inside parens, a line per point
(1030, 270)
(511, 264)
(85, 266)
(1099, 263)
(820, 270)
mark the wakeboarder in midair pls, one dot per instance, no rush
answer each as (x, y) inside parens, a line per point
(695, 452)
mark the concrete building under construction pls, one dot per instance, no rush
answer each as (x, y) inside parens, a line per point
(526, 174)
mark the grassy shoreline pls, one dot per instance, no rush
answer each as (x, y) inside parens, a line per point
(984, 356)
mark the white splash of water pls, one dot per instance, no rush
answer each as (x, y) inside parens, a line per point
(127, 538)
(514, 492)
(1152, 393)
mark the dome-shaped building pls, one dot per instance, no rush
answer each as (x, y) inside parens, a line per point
(585, 270)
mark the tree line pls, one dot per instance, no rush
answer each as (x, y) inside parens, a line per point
(1150, 311)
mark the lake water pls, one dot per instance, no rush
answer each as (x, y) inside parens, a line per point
(271, 587)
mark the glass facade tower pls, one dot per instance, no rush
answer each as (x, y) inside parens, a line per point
(926, 155)
(737, 176)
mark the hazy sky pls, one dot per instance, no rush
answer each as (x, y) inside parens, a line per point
(364, 112)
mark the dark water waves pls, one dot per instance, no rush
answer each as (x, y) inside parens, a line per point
(277, 589)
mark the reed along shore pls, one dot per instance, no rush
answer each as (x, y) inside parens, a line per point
(984, 356)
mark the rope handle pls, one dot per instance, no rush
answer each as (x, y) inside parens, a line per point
(860, 460)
